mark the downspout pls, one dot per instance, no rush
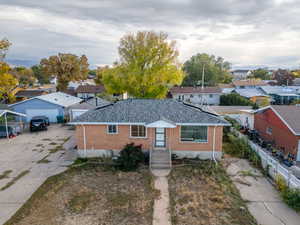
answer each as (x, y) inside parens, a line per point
(84, 141)
(214, 145)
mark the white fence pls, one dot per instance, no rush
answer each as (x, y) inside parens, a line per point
(274, 166)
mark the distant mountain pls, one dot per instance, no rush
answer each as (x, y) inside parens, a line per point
(21, 62)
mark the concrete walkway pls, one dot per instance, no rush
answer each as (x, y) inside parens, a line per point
(161, 214)
(264, 202)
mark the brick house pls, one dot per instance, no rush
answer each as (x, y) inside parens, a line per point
(158, 125)
(281, 124)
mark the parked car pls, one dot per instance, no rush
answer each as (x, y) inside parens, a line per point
(43, 118)
(10, 132)
(38, 124)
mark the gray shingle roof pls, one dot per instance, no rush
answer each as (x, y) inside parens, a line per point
(148, 111)
(290, 114)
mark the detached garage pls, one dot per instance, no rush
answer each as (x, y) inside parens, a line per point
(50, 105)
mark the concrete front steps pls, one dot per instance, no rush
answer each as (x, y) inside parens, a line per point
(160, 159)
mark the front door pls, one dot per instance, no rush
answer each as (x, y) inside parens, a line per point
(160, 137)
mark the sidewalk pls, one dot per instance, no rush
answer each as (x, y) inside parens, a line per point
(264, 201)
(161, 214)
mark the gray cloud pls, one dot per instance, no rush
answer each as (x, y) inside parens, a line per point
(243, 32)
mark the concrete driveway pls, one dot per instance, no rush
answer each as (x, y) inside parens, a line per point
(262, 198)
(26, 162)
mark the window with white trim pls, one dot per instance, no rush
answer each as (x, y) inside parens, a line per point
(138, 131)
(112, 129)
(269, 130)
(193, 133)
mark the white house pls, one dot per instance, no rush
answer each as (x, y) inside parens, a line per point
(244, 115)
(240, 74)
(197, 95)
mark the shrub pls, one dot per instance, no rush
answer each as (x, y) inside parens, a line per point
(292, 198)
(234, 99)
(233, 122)
(239, 147)
(130, 157)
(280, 183)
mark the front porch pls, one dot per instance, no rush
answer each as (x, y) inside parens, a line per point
(160, 152)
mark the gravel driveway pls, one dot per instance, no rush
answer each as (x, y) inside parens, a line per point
(26, 162)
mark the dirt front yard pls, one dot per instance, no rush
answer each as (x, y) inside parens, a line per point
(91, 195)
(203, 194)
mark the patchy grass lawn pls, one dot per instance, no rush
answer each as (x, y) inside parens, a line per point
(90, 195)
(203, 194)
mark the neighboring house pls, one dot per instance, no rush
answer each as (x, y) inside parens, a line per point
(240, 74)
(280, 124)
(158, 125)
(226, 88)
(26, 94)
(79, 109)
(97, 102)
(89, 91)
(74, 84)
(244, 115)
(254, 95)
(249, 83)
(296, 82)
(197, 95)
(50, 105)
(282, 95)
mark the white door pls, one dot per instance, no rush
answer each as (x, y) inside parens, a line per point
(50, 113)
(160, 137)
(298, 154)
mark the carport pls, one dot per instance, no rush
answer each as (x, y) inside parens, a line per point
(4, 113)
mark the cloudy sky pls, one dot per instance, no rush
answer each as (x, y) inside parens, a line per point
(244, 32)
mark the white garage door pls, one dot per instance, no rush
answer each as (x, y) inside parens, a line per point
(50, 113)
(77, 112)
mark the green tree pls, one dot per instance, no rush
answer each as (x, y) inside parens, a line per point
(99, 74)
(234, 99)
(7, 83)
(92, 72)
(216, 70)
(38, 73)
(66, 68)
(296, 73)
(4, 46)
(24, 75)
(260, 74)
(148, 66)
(284, 77)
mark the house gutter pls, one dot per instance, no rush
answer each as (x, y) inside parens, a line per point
(214, 145)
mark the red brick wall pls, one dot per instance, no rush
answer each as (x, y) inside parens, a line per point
(97, 138)
(281, 134)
